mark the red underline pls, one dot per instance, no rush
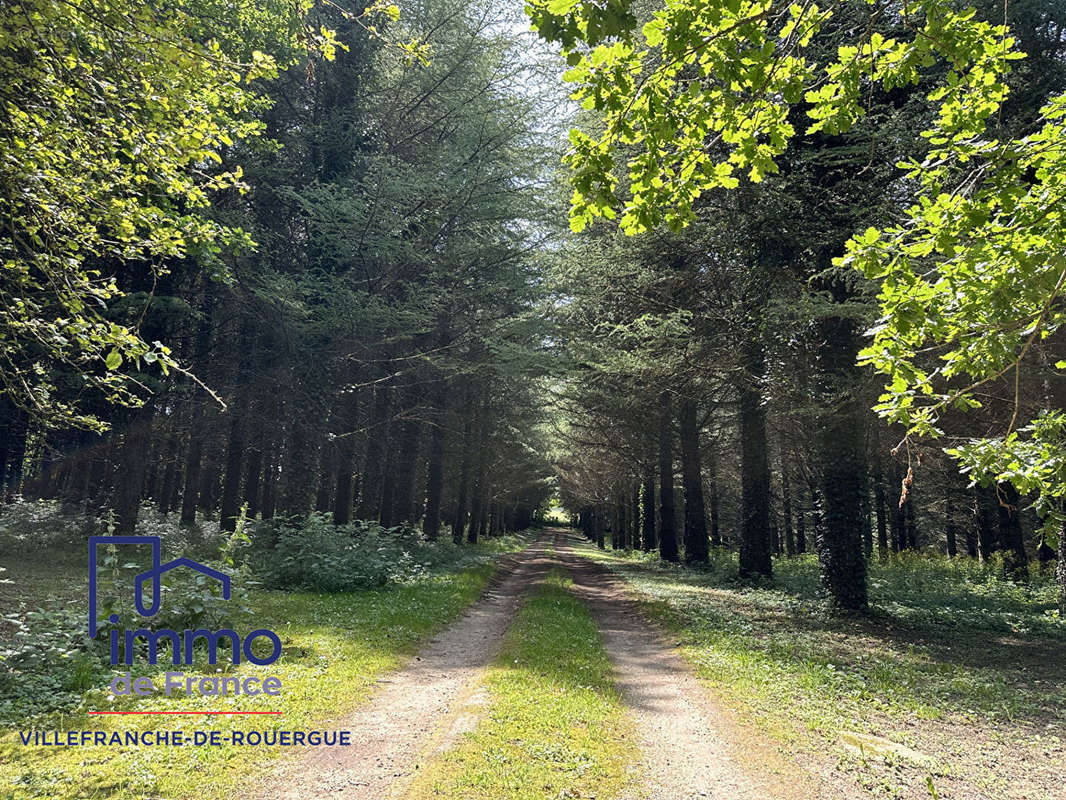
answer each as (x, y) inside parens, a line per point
(184, 712)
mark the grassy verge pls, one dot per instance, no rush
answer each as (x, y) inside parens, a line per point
(555, 726)
(334, 648)
(954, 680)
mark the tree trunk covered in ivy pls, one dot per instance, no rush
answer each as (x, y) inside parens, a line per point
(840, 547)
(648, 541)
(840, 451)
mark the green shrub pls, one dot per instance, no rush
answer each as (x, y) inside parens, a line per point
(916, 589)
(43, 638)
(188, 599)
(316, 555)
(28, 526)
(48, 662)
(31, 526)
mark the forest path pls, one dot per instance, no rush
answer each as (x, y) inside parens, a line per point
(418, 710)
(691, 747)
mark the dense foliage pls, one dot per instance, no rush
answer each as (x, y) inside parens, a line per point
(370, 348)
(690, 98)
(303, 266)
(114, 118)
(292, 285)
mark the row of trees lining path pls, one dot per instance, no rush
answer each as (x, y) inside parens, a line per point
(716, 396)
(348, 261)
(374, 355)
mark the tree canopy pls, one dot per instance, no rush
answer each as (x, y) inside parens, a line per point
(701, 95)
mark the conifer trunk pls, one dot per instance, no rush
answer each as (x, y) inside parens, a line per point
(253, 480)
(373, 469)
(327, 469)
(343, 495)
(170, 476)
(839, 537)
(130, 481)
(985, 505)
(1060, 571)
(435, 465)
(692, 478)
(1011, 537)
(949, 524)
(460, 516)
(911, 520)
(403, 497)
(880, 509)
(634, 516)
(191, 495)
(231, 482)
(786, 506)
(479, 459)
(667, 525)
(716, 533)
(896, 520)
(755, 544)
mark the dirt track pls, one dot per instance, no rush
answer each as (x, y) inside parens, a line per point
(690, 746)
(690, 750)
(415, 709)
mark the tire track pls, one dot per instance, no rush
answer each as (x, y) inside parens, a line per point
(691, 749)
(411, 713)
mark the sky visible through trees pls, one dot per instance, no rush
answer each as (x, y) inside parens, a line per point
(762, 299)
(791, 283)
(321, 267)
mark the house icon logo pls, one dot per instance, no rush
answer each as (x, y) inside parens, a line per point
(152, 638)
(155, 575)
